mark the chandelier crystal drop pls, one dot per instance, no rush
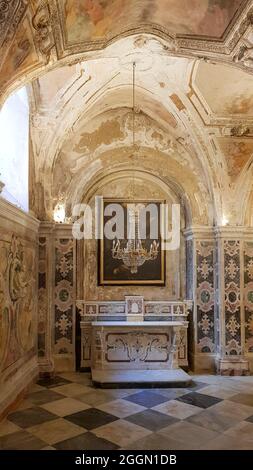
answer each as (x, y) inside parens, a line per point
(134, 254)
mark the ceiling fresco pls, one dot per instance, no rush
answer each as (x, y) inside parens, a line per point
(194, 92)
(237, 153)
(228, 96)
(189, 128)
(36, 35)
(92, 19)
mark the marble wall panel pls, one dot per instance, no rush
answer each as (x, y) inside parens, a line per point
(248, 296)
(205, 296)
(64, 296)
(232, 297)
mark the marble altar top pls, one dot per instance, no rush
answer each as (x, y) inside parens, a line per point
(138, 323)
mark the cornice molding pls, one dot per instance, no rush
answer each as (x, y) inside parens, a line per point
(12, 12)
(199, 232)
(227, 232)
(13, 214)
(233, 232)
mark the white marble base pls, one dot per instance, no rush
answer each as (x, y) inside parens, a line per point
(233, 366)
(120, 378)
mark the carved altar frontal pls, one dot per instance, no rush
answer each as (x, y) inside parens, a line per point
(138, 347)
(146, 343)
(117, 345)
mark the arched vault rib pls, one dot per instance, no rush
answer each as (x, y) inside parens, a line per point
(153, 164)
(178, 30)
(162, 112)
(165, 98)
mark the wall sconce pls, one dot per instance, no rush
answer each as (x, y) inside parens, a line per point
(224, 221)
(59, 213)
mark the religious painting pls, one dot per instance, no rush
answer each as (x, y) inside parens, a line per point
(130, 249)
(193, 17)
(90, 20)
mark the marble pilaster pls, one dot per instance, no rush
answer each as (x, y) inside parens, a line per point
(200, 287)
(231, 358)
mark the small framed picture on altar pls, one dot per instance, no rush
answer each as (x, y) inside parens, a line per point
(134, 305)
(130, 249)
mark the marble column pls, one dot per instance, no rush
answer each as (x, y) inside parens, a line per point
(231, 358)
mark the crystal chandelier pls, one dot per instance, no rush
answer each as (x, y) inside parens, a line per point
(134, 254)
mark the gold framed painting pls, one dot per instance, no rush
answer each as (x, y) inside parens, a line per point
(131, 254)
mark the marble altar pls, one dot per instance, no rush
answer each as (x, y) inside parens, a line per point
(135, 342)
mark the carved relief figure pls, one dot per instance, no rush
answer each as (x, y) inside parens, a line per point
(245, 54)
(17, 285)
(4, 312)
(17, 281)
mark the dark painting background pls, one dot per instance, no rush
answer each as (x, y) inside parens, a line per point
(115, 270)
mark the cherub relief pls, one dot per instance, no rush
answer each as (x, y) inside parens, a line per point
(245, 54)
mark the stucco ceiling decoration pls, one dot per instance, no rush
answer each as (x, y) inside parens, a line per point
(211, 26)
(11, 13)
(200, 129)
(89, 126)
(91, 21)
(71, 30)
(202, 125)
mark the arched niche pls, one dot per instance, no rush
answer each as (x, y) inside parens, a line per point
(131, 185)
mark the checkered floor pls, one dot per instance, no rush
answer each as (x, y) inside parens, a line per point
(68, 413)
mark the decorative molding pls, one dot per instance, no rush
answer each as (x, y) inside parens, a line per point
(137, 346)
(174, 43)
(241, 130)
(42, 24)
(13, 214)
(50, 38)
(11, 14)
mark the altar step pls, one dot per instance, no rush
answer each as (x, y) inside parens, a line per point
(140, 378)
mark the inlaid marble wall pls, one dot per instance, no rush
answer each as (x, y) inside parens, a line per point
(200, 269)
(65, 295)
(189, 291)
(42, 297)
(232, 299)
(219, 280)
(231, 358)
(205, 297)
(18, 302)
(45, 298)
(248, 296)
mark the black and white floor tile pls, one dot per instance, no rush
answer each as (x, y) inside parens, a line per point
(68, 413)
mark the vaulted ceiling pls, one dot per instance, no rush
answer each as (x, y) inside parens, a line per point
(194, 93)
(35, 35)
